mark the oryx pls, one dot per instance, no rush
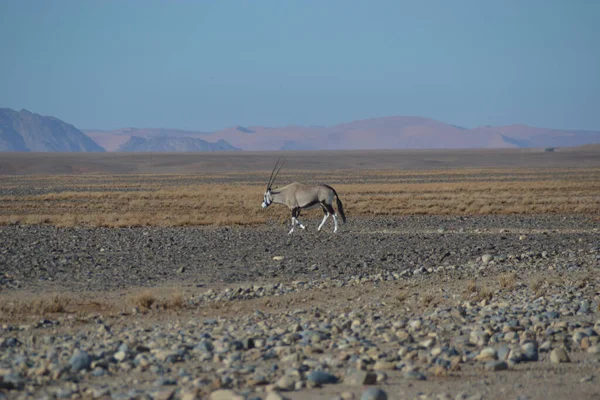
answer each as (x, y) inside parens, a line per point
(298, 196)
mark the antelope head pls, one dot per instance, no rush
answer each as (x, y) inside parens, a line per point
(268, 199)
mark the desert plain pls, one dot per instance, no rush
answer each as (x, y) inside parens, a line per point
(458, 275)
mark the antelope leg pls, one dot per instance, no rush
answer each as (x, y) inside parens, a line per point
(300, 224)
(323, 222)
(335, 223)
(294, 220)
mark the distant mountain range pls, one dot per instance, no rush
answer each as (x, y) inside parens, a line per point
(24, 131)
(375, 133)
(112, 140)
(173, 144)
(401, 133)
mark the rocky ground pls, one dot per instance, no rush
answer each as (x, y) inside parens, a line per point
(417, 307)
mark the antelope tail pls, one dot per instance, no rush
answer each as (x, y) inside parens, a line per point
(340, 206)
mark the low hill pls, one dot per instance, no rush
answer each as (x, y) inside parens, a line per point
(111, 140)
(173, 144)
(27, 131)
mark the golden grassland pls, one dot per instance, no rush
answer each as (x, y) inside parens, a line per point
(234, 199)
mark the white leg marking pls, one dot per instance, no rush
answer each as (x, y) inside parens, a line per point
(323, 222)
(293, 226)
(335, 223)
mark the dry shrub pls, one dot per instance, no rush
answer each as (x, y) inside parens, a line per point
(147, 300)
(508, 280)
(484, 293)
(175, 302)
(57, 303)
(401, 297)
(536, 283)
(477, 293)
(144, 300)
(427, 299)
(471, 286)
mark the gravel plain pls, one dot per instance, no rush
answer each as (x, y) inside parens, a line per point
(486, 307)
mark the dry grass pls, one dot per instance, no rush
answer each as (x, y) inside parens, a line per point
(428, 299)
(234, 199)
(147, 300)
(471, 287)
(144, 300)
(176, 302)
(536, 283)
(484, 293)
(507, 280)
(53, 304)
(475, 292)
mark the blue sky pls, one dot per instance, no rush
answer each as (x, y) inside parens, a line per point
(208, 65)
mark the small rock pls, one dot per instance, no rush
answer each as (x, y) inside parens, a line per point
(361, 378)
(530, 352)
(559, 356)
(190, 395)
(64, 393)
(496, 366)
(414, 375)
(12, 381)
(384, 366)
(486, 258)
(374, 394)
(98, 393)
(278, 258)
(275, 396)
(415, 324)
(80, 360)
(225, 394)
(594, 349)
(120, 356)
(486, 354)
(286, 383)
(503, 352)
(319, 377)
(164, 394)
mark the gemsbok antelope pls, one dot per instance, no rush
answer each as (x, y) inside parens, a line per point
(298, 196)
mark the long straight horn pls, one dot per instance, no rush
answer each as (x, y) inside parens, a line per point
(272, 172)
(277, 173)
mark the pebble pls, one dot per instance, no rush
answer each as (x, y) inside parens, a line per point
(374, 394)
(496, 366)
(530, 352)
(358, 378)
(286, 383)
(559, 355)
(225, 394)
(486, 258)
(414, 375)
(275, 396)
(80, 360)
(321, 377)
